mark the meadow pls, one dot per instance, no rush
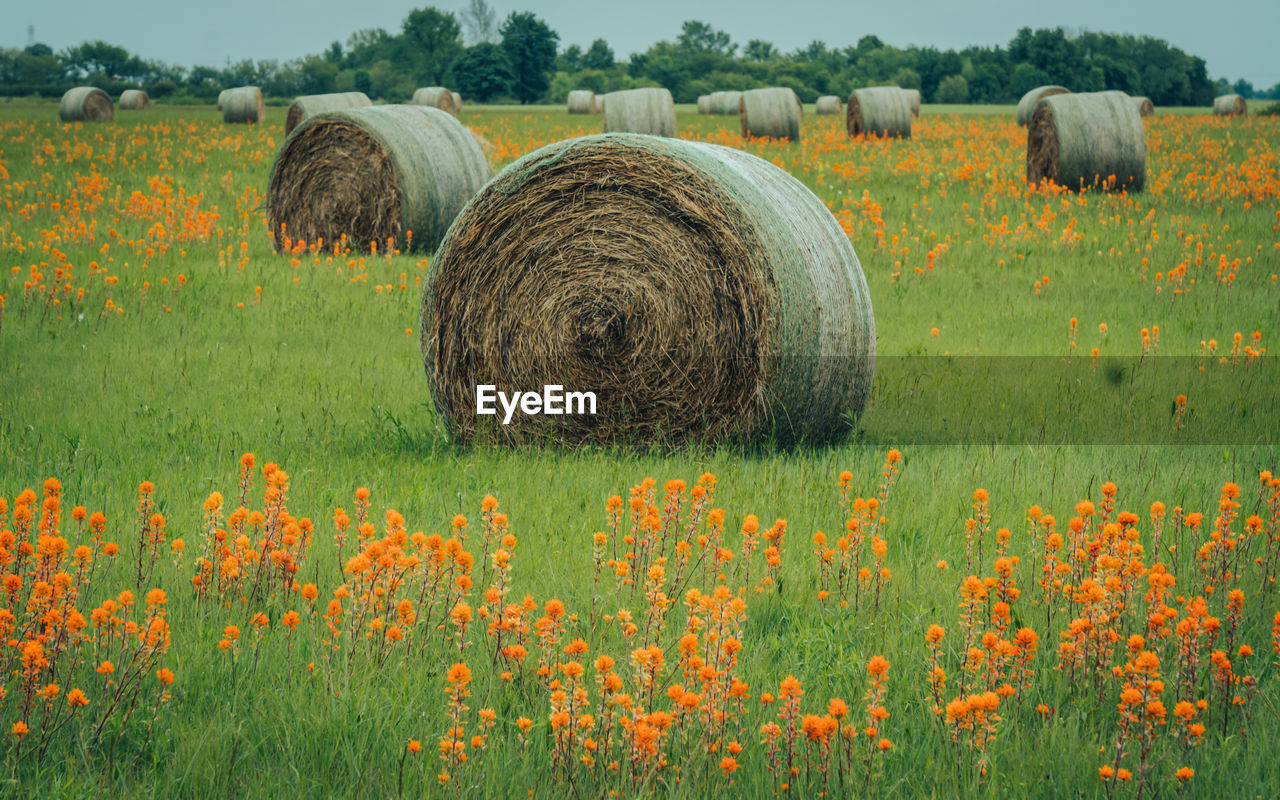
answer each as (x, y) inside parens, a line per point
(688, 635)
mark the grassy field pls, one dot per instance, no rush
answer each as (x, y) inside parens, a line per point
(149, 333)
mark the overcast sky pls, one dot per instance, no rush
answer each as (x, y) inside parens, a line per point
(1236, 37)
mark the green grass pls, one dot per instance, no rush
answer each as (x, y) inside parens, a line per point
(320, 375)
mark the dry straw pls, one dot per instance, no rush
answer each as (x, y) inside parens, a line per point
(913, 101)
(309, 105)
(86, 104)
(435, 96)
(134, 100)
(879, 111)
(1027, 105)
(704, 104)
(243, 104)
(582, 101)
(775, 113)
(1230, 105)
(374, 174)
(699, 291)
(1144, 105)
(640, 111)
(829, 104)
(1093, 139)
(222, 98)
(725, 102)
(457, 102)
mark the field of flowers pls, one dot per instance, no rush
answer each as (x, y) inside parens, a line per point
(238, 555)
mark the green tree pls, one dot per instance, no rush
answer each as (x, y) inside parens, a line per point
(570, 60)
(483, 72)
(432, 42)
(759, 50)
(319, 75)
(530, 46)
(953, 89)
(1025, 78)
(598, 56)
(699, 37)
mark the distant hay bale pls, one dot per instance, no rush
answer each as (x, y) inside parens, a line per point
(1027, 105)
(597, 104)
(649, 111)
(699, 291)
(1230, 105)
(1144, 105)
(775, 113)
(311, 104)
(374, 173)
(222, 98)
(134, 100)
(704, 104)
(243, 104)
(725, 102)
(582, 101)
(829, 104)
(879, 111)
(913, 100)
(86, 104)
(457, 101)
(1093, 139)
(435, 96)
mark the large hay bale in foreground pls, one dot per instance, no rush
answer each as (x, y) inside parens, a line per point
(222, 98)
(913, 101)
(1230, 105)
(725, 102)
(829, 104)
(1027, 105)
(86, 104)
(649, 111)
(436, 97)
(309, 105)
(879, 111)
(134, 100)
(704, 104)
(1083, 140)
(374, 174)
(1144, 105)
(582, 101)
(775, 112)
(243, 104)
(700, 292)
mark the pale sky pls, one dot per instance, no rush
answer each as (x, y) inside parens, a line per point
(1237, 38)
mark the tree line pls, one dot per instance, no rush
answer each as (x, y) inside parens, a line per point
(520, 60)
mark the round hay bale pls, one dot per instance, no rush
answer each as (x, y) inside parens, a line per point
(86, 104)
(1082, 140)
(913, 100)
(597, 104)
(1230, 105)
(582, 101)
(649, 111)
(699, 291)
(775, 113)
(309, 105)
(1144, 105)
(1027, 105)
(829, 104)
(436, 96)
(704, 104)
(222, 98)
(725, 102)
(879, 111)
(375, 173)
(243, 104)
(457, 101)
(134, 100)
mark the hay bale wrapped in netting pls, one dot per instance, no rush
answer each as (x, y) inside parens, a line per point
(649, 111)
(775, 112)
(222, 98)
(1083, 140)
(1230, 105)
(913, 101)
(582, 101)
(309, 105)
(435, 96)
(879, 111)
(457, 101)
(134, 100)
(704, 104)
(243, 104)
(86, 104)
(828, 104)
(374, 173)
(1027, 105)
(1144, 105)
(699, 291)
(725, 102)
